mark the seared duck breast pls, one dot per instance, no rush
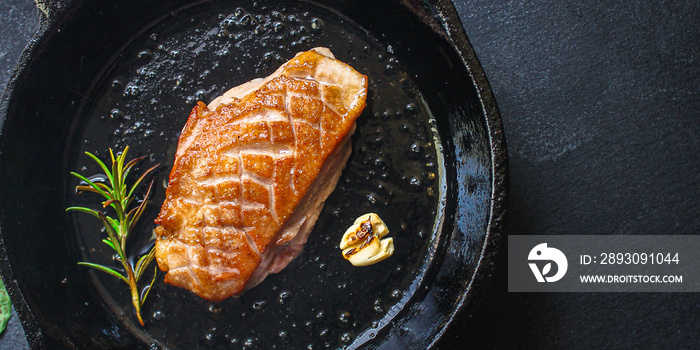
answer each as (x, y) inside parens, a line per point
(252, 172)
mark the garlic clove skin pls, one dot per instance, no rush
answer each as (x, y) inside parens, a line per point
(363, 243)
(353, 234)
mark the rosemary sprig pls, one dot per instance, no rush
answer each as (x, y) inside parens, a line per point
(119, 196)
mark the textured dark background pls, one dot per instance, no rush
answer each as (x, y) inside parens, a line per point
(601, 109)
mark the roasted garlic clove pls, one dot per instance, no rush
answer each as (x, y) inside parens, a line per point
(364, 243)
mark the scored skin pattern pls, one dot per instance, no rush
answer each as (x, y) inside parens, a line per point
(241, 170)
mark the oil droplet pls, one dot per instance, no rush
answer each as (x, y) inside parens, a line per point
(395, 294)
(210, 334)
(259, 305)
(96, 178)
(372, 198)
(278, 27)
(344, 317)
(116, 113)
(223, 52)
(411, 108)
(157, 315)
(308, 326)
(246, 20)
(324, 333)
(117, 84)
(415, 183)
(345, 338)
(215, 309)
(422, 232)
(415, 150)
(144, 55)
(316, 24)
(283, 296)
(378, 306)
(200, 95)
(131, 89)
(283, 336)
(320, 315)
(304, 39)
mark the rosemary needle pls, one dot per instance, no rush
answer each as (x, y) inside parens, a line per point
(119, 196)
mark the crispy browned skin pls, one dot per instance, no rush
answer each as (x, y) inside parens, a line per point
(243, 166)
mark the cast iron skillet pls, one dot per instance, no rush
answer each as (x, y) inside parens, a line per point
(55, 79)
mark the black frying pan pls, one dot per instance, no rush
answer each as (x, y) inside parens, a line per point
(428, 155)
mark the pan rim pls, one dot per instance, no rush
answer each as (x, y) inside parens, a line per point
(456, 36)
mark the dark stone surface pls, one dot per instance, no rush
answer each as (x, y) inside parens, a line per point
(19, 20)
(600, 105)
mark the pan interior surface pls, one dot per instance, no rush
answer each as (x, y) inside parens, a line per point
(420, 160)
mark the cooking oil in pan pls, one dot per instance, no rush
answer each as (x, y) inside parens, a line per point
(395, 170)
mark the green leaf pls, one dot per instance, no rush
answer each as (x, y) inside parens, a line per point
(5, 307)
(118, 227)
(148, 289)
(130, 165)
(118, 168)
(109, 243)
(114, 224)
(102, 165)
(144, 261)
(138, 181)
(84, 210)
(105, 269)
(113, 235)
(142, 207)
(93, 185)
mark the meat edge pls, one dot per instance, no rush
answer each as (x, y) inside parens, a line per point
(285, 248)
